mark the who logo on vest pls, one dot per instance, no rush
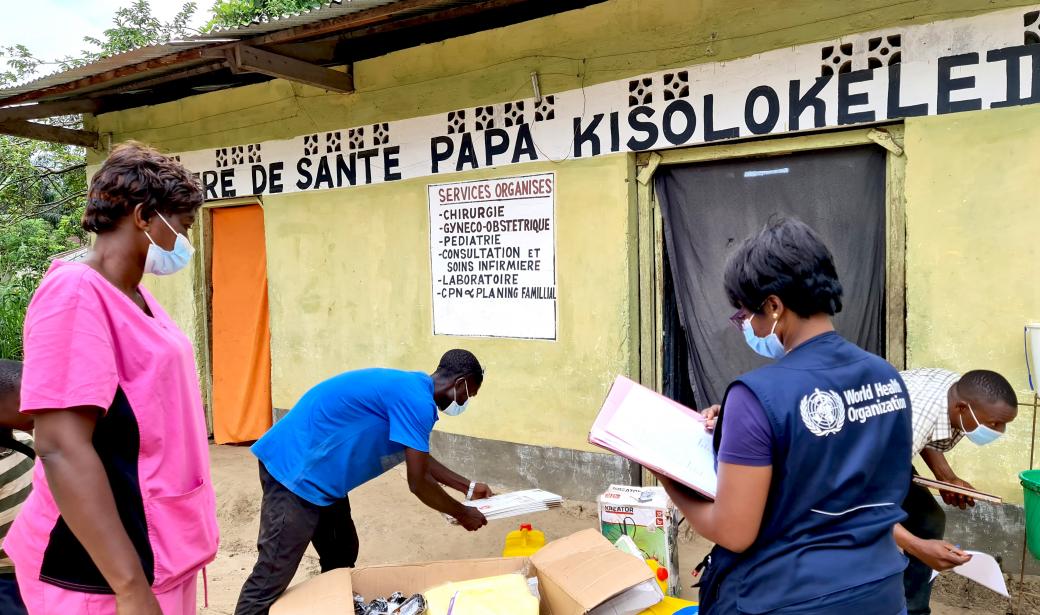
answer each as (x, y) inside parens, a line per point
(823, 412)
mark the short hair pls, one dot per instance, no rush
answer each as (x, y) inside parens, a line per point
(460, 363)
(787, 259)
(987, 386)
(135, 173)
(10, 377)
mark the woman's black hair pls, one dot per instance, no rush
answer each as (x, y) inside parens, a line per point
(786, 259)
(137, 174)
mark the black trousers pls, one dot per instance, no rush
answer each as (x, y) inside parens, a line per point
(927, 520)
(287, 524)
(10, 600)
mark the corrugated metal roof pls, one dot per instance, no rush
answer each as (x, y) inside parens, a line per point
(74, 256)
(135, 56)
(330, 10)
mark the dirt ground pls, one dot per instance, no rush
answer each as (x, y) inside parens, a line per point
(395, 527)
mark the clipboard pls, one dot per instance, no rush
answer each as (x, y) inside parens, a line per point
(938, 485)
(657, 433)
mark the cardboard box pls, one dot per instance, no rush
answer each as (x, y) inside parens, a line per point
(653, 524)
(578, 573)
(575, 574)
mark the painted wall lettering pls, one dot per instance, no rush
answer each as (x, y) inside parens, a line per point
(901, 72)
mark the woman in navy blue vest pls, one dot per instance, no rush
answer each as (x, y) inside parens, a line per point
(813, 450)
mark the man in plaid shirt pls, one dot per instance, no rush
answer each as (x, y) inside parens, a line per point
(946, 407)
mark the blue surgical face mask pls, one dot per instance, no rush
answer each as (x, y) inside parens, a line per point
(769, 346)
(165, 262)
(454, 408)
(981, 435)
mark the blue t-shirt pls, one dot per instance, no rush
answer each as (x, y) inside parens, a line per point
(348, 430)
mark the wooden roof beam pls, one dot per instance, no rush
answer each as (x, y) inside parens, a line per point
(52, 134)
(250, 59)
(100, 78)
(146, 84)
(48, 109)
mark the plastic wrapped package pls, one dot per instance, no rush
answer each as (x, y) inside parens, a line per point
(631, 601)
(507, 594)
(396, 604)
(532, 585)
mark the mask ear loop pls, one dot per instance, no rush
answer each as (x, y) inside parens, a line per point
(166, 222)
(978, 423)
(973, 417)
(168, 225)
(776, 321)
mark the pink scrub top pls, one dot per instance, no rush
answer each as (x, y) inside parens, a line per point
(88, 344)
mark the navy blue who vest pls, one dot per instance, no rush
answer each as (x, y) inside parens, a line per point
(841, 468)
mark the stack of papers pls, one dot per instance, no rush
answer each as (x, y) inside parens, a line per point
(514, 504)
(657, 433)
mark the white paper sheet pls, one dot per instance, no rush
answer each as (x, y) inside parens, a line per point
(514, 504)
(673, 441)
(982, 569)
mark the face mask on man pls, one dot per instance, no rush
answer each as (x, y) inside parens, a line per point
(166, 262)
(769, 346)
(981, 435)
(454, 408)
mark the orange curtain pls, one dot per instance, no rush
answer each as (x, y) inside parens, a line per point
(241, 326)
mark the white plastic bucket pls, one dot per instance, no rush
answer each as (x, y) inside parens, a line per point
(1032, 348)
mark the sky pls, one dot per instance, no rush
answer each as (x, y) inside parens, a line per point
(53, 29)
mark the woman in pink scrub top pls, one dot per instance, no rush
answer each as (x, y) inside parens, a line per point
(122, 515)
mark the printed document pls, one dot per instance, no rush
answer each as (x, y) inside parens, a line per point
(658, 433)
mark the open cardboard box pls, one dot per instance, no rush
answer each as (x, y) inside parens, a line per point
(575, 574)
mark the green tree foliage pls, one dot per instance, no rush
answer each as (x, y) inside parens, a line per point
(43, 185)
(232, 13)
(42, 189)
(134, 26)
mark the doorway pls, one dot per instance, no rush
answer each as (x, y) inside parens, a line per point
(239, 331)
(709, 207)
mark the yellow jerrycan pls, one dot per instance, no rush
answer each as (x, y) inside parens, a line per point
(673, 606)
(660, 575)
(523, 542)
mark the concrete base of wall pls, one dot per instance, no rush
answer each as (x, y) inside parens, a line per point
(991, 528)
(576, 475)
(996, 529)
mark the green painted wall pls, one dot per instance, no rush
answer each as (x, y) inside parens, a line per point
(603, 42)
(349, 270)
(972, 263)
(349, 284)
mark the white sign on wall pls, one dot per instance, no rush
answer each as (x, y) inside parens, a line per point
(493, 257)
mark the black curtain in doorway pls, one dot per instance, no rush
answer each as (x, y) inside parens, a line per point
(709, 209)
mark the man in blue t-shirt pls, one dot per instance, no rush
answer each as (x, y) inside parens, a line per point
(343, 433)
